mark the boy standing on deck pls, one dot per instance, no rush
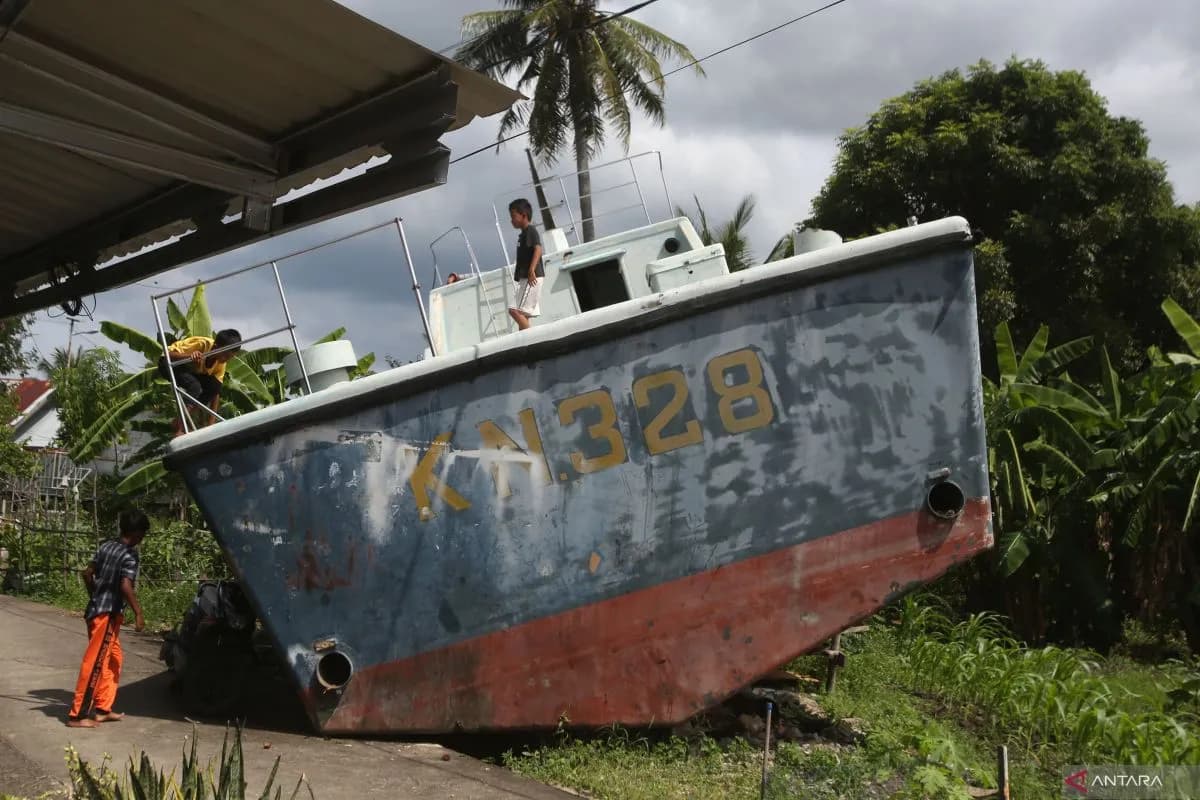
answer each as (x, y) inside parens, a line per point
(529, 269)
(110, 580)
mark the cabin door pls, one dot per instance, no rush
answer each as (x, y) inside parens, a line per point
(600, 284)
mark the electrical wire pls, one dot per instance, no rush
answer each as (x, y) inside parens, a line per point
(689, 65)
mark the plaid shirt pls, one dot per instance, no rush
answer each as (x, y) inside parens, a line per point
(114, 561)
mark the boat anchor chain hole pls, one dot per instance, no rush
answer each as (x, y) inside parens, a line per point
(946, 500)
(334, 670)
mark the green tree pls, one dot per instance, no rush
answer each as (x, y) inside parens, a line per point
(784, 247)
(730, 234)
(1074, 221)
(83, 383)
(14, 359)
(588, 67)
(14, 460)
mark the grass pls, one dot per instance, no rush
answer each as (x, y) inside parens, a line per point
(909, 753)
(937, 698)
(163, 604)
(222, 778)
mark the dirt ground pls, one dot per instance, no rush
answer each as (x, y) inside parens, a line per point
(39, 662)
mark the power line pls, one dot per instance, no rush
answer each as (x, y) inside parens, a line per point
(767, 32)
(689, 65)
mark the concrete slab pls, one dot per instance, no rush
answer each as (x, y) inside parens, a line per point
(39, 662)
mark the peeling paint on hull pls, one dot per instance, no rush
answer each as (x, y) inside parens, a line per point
(623, 530)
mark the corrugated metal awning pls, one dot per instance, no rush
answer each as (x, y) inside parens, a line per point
(124, 123)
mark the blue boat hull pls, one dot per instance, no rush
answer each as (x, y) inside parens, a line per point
(621, 523)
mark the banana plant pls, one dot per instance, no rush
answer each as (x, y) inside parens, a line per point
(1036, 450)
(1157, 455)
(254, 379)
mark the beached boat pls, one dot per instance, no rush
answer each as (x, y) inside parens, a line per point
(677, 480)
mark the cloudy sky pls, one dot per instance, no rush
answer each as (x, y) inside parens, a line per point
(764, 121)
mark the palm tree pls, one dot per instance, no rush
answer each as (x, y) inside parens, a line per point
(785, 247)
(731, 235)
(588, 66)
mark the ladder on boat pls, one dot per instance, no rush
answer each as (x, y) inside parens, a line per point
(493, 288)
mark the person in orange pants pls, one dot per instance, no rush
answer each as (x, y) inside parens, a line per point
(111, 579)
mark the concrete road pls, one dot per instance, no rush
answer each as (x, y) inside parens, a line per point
(40, 648)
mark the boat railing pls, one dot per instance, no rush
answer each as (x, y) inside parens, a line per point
(182, 398)
(473, 262)
(574, 229)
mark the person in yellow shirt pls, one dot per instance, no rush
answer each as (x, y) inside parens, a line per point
(203, 375)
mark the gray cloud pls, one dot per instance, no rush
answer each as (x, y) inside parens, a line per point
(765, 120)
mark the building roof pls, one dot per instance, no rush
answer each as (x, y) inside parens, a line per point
(126, 123)
(27, 390)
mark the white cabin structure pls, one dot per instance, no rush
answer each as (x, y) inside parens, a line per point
(579, 278)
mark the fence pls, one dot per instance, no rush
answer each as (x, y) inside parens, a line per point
(33, 556)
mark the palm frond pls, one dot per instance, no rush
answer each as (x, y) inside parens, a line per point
(1058, 357)
(1050, 424)
(199, 321)
(785, 247)
(657, 43)
(1013, 550)
(108, 428)
(549, 123)
(1184, 324)
(1035, 350)
(176, 318)
(1006, 353)
(364, 365)
(248, 380)
(496, 42)
(136, 382)
(1111, 382)
(141, 479)
(1056, 456)
(332, 336)
(134, 339)
(260, 359)
(1059, 399)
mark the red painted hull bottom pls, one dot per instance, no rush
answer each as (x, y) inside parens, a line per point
(660, 655)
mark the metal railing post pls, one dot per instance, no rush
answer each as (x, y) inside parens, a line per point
(412, 271)
(570, 215)
(471, 253)
(638, 186)
(663, 176)
(162, 337)
(500, 235)
(287, 313)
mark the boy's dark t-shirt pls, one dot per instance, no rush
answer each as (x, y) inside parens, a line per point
(528, 239)
(113, 562)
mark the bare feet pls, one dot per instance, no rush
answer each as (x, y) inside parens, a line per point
(82, 723)
(111, 716)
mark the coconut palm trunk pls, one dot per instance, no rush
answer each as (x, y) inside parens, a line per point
(540, 191)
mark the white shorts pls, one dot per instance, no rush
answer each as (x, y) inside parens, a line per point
(529, 298)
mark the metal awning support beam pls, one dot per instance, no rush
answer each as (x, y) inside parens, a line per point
(100, 84)
(422, 167)
(91, 140)
(9, 11)
(424, 103)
